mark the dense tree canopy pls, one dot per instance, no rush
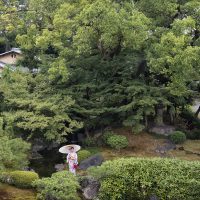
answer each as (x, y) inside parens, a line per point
(102, 62)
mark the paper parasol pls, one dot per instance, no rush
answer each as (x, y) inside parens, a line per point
(66, 148)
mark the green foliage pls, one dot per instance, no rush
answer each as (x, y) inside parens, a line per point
(174, 59)
(89, 142)
(14, 153)
(137, 179)
(178, 137)
(83, 154)
(110, 62)
(107, 135)
(62, 185)
(35, 107)
(117, 141)
(10, 23)
(21, 179)
(161, 11)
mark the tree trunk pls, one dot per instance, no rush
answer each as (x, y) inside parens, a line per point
(87, 132)
(159, 115)
(146, 121)
(172, 113)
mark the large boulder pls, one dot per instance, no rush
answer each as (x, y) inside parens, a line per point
(94, 160)
(162, 130)
(89, 187)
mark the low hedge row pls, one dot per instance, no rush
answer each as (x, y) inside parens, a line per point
(139, 179)
(21, 179)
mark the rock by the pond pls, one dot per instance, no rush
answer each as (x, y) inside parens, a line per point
(94, 160)
(162, 130)
(60, 167)
(28, 169)
(89, 187)
(165, 147)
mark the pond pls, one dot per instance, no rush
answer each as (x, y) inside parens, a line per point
(8, 192)
(45, 166)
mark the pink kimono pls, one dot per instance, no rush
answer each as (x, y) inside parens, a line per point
(72, 160)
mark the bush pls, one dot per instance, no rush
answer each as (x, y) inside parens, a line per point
(21, 179)
(89, 142)
(83, 154)
(106, 135)
(61, 186)
(117, 142)
(140, 178)
(178, 137)
(14, 153)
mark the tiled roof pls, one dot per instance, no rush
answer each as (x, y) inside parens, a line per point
(13, 50)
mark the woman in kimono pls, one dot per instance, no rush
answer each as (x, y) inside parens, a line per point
(72, 160)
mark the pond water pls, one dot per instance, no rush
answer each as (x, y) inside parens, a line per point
(46, 166)
(8, 192)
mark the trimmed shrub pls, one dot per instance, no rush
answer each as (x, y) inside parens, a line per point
(83, 154)
(62, 186)
(140, 178)
(117, 141)
(106, 135)
(89, 142)
(178, 137)
(21, 179)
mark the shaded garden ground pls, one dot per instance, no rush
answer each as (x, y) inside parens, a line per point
(8, 192)
(149, 145)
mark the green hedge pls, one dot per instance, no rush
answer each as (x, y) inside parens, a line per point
(21, 179)
(83, 154)
(62, 186)
(138, 179)
(117, 142)
(178, 137)
(106, 135)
